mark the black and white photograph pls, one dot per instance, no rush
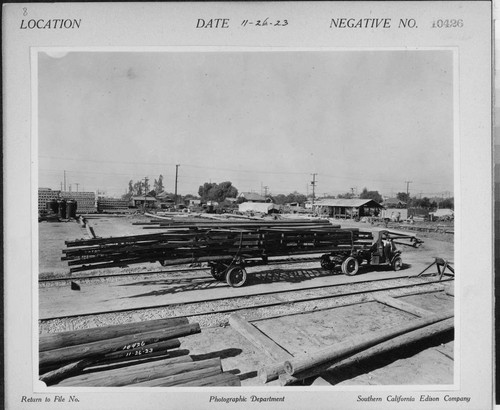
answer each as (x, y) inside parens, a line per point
(253, 207)
(258, 207)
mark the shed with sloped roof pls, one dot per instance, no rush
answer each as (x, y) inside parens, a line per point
(347, 208)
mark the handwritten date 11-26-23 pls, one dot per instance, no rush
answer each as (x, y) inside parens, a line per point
(266, 22)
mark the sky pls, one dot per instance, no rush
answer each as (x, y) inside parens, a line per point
(357, 119)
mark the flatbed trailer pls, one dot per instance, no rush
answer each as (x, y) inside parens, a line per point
(228, 250)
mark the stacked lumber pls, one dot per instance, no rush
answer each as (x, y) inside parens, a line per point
(46, 195)
(86, 201)
(136, 354)
(112, 205)
(182, 243)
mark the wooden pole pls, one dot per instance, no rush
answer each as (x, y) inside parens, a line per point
(382, 348)
(121, 357)
(181, 378)
(77, 337)
(355, 344)
(129, 374)
(223, 379)
(127, 342)
(271, 372)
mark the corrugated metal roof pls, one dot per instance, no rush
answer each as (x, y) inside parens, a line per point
(349, 203)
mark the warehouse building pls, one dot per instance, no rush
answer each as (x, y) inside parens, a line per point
(347, 208)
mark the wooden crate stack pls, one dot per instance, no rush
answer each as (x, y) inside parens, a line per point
(85, 201)
(45, 195)
(134, 354)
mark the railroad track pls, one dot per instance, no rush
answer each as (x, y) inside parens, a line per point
(72, 277)
(289, 297)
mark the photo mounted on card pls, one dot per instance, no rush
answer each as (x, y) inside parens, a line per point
(249, 203)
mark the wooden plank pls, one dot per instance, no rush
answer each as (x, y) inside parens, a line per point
(401, 305)
(82, 336)
(258, 338)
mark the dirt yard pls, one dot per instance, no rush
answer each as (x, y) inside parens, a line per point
(296, 327)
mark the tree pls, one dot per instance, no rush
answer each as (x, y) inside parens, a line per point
(217, 192)
(204, 190)
(371, 195)
(158, 184)
(137, 188)
(347, 195)
(296, 197)
(403, 196)
(447, 203)
(280, 199)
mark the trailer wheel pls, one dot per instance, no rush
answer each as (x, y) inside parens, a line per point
(397, 263)
(236, 276)
(218, 271)
(326, 263)
(350, 266)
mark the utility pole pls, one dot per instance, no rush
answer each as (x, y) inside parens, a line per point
(176, 176)
(313, 183)
(145, 191)
(408, 189)
(65, 180)
(76, 183)
(265, 191)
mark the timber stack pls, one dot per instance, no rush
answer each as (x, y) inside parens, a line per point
(112, 205)
(185, 243)
(136, 354)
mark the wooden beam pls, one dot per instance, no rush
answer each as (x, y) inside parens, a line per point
(258, 338)
(122, 343)
(181, 378)
(382, 348)
(76, 337)
(356, 344)
(223, 379)
(401, 305)
(124, 376)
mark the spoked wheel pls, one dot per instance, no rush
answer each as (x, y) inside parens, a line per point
(326, 263)
(397, 263)
(218, 271)
(236, 276)
(350, 266)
